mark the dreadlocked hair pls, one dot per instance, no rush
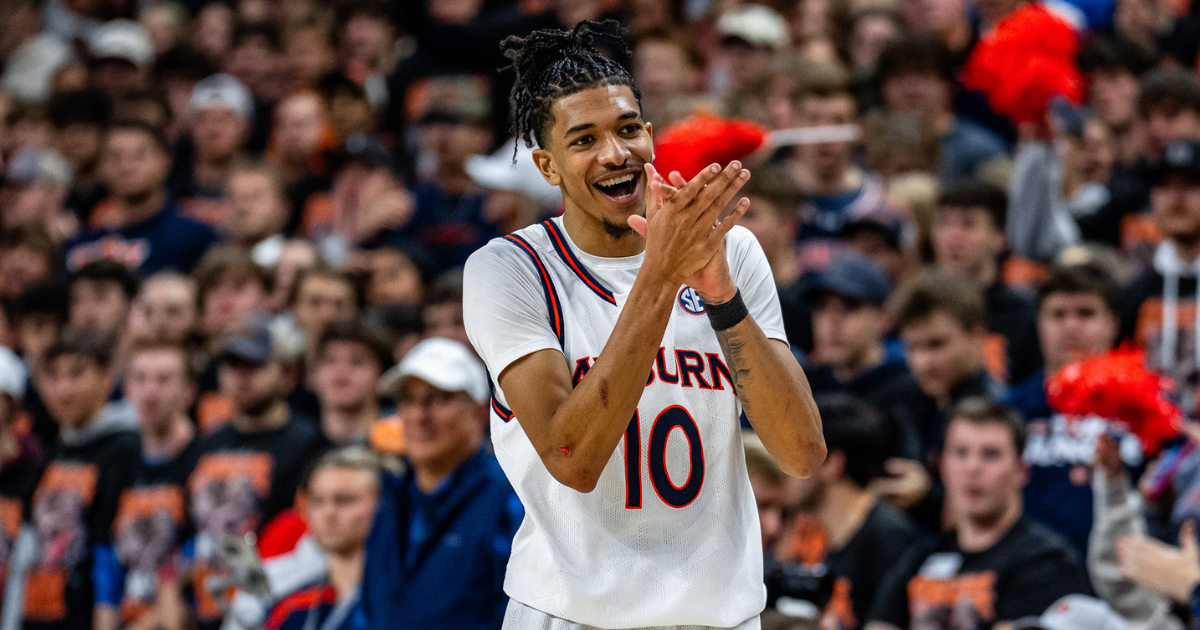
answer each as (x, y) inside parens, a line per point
(551, 64)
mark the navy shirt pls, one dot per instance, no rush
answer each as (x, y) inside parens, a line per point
(437, 561)
(1059, 452)
(164, 241)
(447, 227)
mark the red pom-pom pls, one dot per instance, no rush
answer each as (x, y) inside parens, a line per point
(1117, 386)
(692, 144)
(1028, 59)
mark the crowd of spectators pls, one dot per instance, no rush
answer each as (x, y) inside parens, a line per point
(236, 390)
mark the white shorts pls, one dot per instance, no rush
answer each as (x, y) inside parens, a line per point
(518, 616)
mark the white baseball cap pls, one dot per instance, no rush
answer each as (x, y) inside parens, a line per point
(498, 172)
(757, 24)
(223, 91)
(122, 39)
(1075, 612)
(444, 363)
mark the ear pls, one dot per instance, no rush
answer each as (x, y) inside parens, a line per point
(545, 163)
(834, 467)
(999, 241)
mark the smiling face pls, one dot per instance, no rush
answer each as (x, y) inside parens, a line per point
(596, 152)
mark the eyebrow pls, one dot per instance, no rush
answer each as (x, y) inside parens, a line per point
(581, 127)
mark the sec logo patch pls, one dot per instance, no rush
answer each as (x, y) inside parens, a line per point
(690, 301)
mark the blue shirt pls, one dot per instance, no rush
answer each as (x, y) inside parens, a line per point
(1059, 452)
(164, 241)
(437, 561)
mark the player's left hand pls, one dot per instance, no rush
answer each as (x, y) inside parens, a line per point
(713, 281)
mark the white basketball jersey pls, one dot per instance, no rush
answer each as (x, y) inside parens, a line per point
(670, 535)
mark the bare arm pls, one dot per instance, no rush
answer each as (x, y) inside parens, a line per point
(106, 617)
(770, 384)
(775, 396)
(576, 431)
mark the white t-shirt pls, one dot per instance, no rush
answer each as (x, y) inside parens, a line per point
(670, 534)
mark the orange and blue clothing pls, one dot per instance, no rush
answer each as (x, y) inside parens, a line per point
(317, 608)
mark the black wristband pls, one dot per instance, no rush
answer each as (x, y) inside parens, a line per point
(727, 314)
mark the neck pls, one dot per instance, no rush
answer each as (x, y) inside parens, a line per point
(988, 272)
(275, 416)
(345, 571)
(980, 534)
(843, 512)
(957, 35)
(944, 402)
(429, 474)
(589, 234)
(783, 266)
(10, 447)
(867, 360)
(943, 121)
(342, 425)
(832, 182)
(211, 171)
(166, 441)
(1187, 249)
(135, 209)
(453, 179)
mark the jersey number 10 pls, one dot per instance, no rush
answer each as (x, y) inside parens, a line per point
(670, 419)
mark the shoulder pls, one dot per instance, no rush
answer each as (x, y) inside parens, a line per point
(300, 427)
(296, 604)
(1029, 393)
(1031, 542)
(507, 255)
(177, 224)
(889, 520)
(1002, 298)
(1144, 286)
(217, 440)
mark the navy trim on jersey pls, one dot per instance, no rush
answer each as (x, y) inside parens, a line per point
(501, 410)
(564, 251)
(553, 305)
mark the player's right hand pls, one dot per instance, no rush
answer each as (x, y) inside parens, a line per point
(681, 228)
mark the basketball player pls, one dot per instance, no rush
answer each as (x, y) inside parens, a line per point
(623, 339)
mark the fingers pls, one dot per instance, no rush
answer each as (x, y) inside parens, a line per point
(676, 179)
(655, 198)
(728, 222)
(1187, 538)
(638, 223)
(688, 192)
(716, 196)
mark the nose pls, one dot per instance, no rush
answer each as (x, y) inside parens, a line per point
(613, 152)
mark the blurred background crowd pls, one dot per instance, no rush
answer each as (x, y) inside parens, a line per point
(231, 245)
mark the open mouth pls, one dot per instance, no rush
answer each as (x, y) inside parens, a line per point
(619, 188)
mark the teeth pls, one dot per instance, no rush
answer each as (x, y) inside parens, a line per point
(617, 180)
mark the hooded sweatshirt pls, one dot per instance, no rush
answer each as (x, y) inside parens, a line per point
(51, 574)
(1160, 317)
